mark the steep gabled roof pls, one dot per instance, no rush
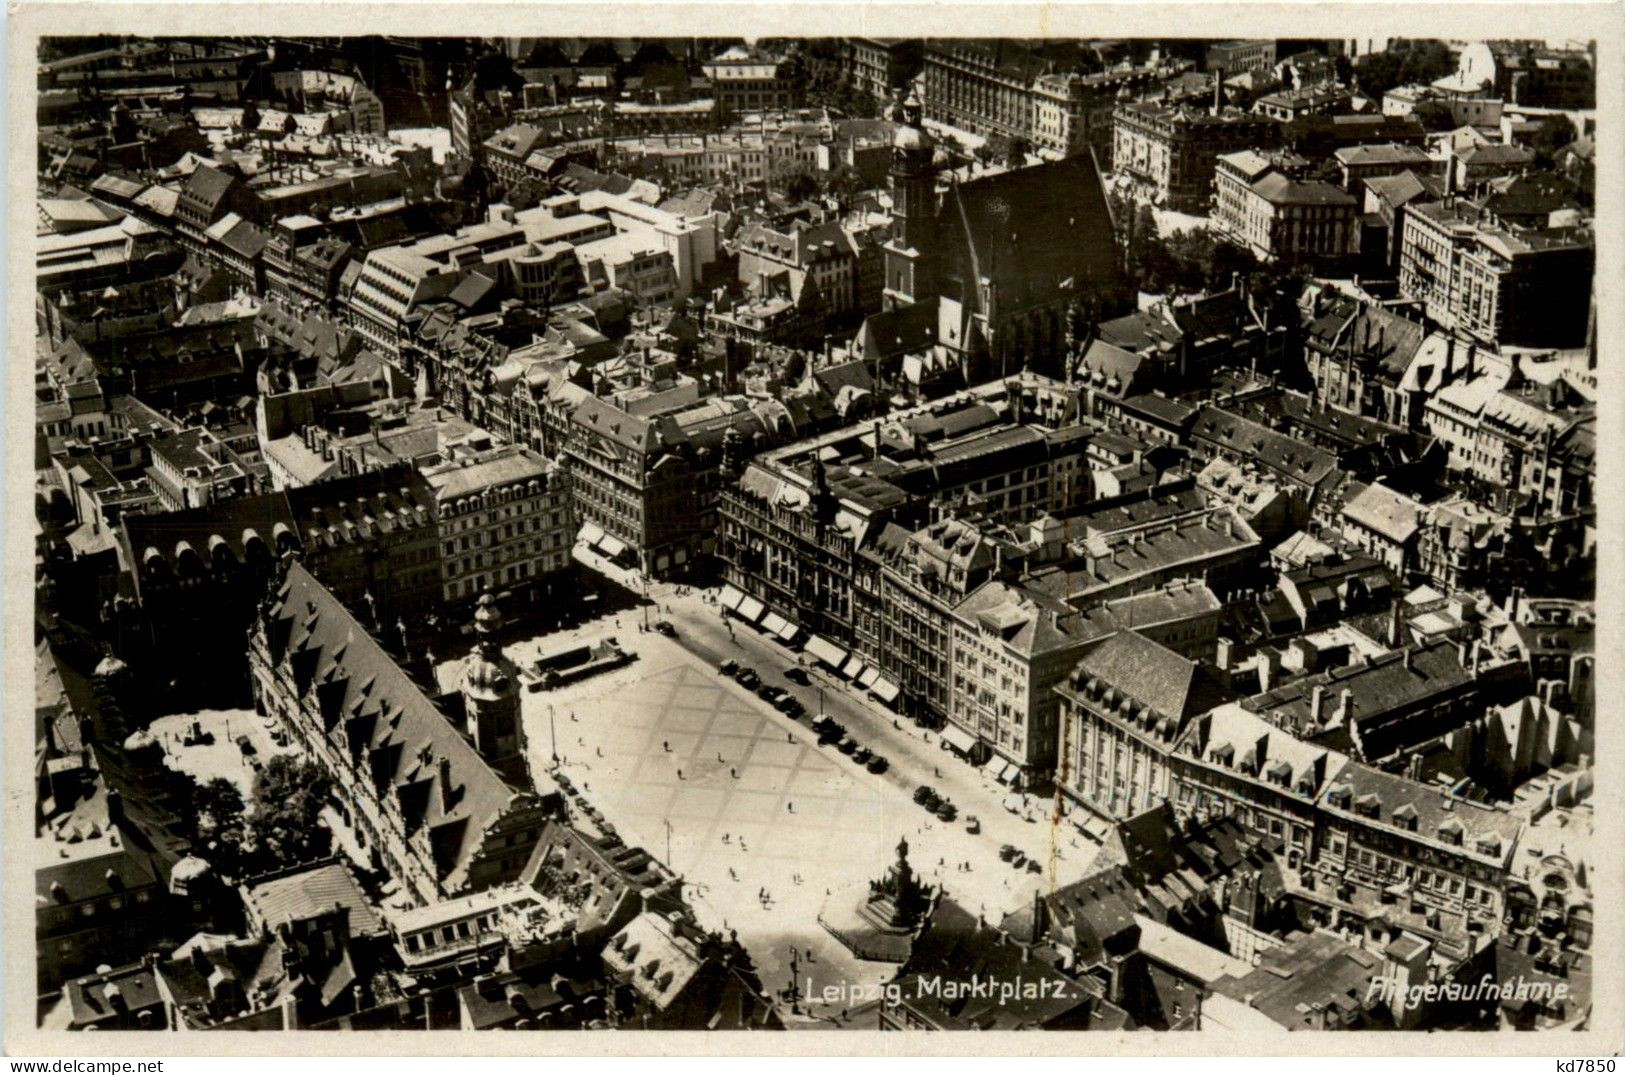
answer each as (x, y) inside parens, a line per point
(1029, 231)
(393, 730)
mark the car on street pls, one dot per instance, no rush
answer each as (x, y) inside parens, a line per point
(246, 745)
(847, 745)
(926, 793)
(785, 702)
(973, 824)
(1034, 866)
(1008, 852)
(770, 694)
(878, 764)
(797, 674)
(729, 667)
(749, 679)
(666, 628)
(794, 709)
(947, 811)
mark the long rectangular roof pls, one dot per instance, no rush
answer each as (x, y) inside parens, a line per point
(396, 733)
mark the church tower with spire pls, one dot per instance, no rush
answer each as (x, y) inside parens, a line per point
(490, 689)
(914, 208)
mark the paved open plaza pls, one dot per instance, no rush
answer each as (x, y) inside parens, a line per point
(741, 801)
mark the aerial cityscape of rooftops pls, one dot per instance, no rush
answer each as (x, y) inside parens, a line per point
(814, 534)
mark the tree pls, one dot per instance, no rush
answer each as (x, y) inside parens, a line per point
(218, 806)
(1404, 63)
(796, 179)
(1551, 136)
(846, 184)
(284, 826)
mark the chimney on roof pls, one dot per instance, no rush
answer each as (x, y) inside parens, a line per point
(1269, 665)
(445, 785)
(1345, 706)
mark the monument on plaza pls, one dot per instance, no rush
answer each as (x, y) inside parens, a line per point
(880, 921)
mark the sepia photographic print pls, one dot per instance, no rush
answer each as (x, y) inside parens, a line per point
(1053, 520)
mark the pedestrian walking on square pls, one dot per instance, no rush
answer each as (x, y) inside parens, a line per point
(679, 774)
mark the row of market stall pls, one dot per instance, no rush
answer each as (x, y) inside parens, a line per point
(849, 666)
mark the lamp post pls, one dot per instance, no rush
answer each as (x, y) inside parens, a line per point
(553, 734)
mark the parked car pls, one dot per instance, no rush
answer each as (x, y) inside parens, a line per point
(925, 793)
(794, 709)
(770, 694)
(847, 746)
(973, 824)
(246, 745)
(797, 674)
(730, 667)
(785, 702)
(947, 811)
(1033, 866)
(749, 679)
(878, 764)
(862, 755)
(1008, 852)
(1019, 861)
(665, 627)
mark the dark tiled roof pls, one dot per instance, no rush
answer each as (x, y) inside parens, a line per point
(1152, 674)
(955, 946)
(87, 878)
(1029, 231)
(395, 731)
(207, 186)
(900, 331)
